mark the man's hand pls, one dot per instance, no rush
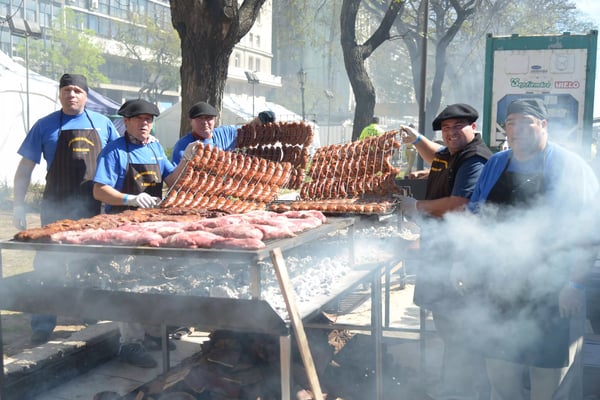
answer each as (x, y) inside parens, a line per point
(409, 135)
(570, 300)
(20, 217)
(420, 174)
(408, 205)
(142, 200)
(190, 151)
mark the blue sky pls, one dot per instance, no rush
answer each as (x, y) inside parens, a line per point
(591, 7)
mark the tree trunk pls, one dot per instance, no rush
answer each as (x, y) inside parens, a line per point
(355, 56)
(209, 30)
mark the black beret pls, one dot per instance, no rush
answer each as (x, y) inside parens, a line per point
(131, 108)
(202, 108)
(266, 116)
(534, 107)
(73, 80)
(455, 111)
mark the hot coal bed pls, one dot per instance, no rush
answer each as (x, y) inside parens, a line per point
(129, 281)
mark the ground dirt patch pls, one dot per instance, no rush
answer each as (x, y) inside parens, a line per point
(15, 326)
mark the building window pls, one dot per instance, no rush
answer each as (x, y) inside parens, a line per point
(251, 63)
(237, 60)
(257, 41)
(103, 27)
(251, 39)
(103, 6)
(119, 9)
(93, 23)
(257, 65)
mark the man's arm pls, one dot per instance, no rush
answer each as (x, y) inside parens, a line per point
(189, 152)
(172, 177)
(439, 207)
(21, 185)
(22, 180)
(464, 183)
(108, 195)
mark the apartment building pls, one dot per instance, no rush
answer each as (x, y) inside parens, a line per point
(250, 74)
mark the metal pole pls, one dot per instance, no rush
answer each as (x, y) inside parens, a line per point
(27, 76)
(422, 80)
(328, 118)
(302, 93)
(253, 96)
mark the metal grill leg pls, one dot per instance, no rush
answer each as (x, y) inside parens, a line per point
(285, 359)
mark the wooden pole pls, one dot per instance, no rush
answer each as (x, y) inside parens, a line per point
(290, 301)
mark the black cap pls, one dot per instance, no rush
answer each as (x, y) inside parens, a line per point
(131, 108)
(73, 80)
(266, 116)
(202, 108)
(534, 107)
(455, 111)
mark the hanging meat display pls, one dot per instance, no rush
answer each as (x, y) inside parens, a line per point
(356, 177)
(227, 181)
(279, 142)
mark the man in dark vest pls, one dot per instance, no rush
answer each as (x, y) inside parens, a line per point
(455, 168)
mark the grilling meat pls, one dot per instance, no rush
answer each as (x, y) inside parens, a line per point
(192, 240)
(239, 231)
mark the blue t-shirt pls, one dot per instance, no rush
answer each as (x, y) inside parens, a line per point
(466, 176)
(224, 138)
(112, 161)
(43, 136)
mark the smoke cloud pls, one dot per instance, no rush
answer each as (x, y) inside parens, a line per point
(504, 264)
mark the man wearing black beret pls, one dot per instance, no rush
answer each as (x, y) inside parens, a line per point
(131, 171)
(455, 168)
(203, 118)
(130, 174)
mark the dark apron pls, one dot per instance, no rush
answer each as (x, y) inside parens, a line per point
(527, 328)
(433, 289)
(140, 178)
(70, 178)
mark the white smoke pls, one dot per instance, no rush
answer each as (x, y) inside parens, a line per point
(515, 258)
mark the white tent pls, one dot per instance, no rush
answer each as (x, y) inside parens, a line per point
(43, 99)
(237, 110)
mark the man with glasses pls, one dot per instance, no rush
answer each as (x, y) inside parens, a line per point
(455, 167)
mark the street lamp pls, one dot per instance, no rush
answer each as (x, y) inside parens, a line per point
(330, 96)
(302, 80)
(253, 80)
(22, 28)
(423, 73)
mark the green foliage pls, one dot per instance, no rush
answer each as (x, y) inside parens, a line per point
(154, 48)
(70, 50)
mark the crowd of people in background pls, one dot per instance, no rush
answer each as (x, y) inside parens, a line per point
(90, 164)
